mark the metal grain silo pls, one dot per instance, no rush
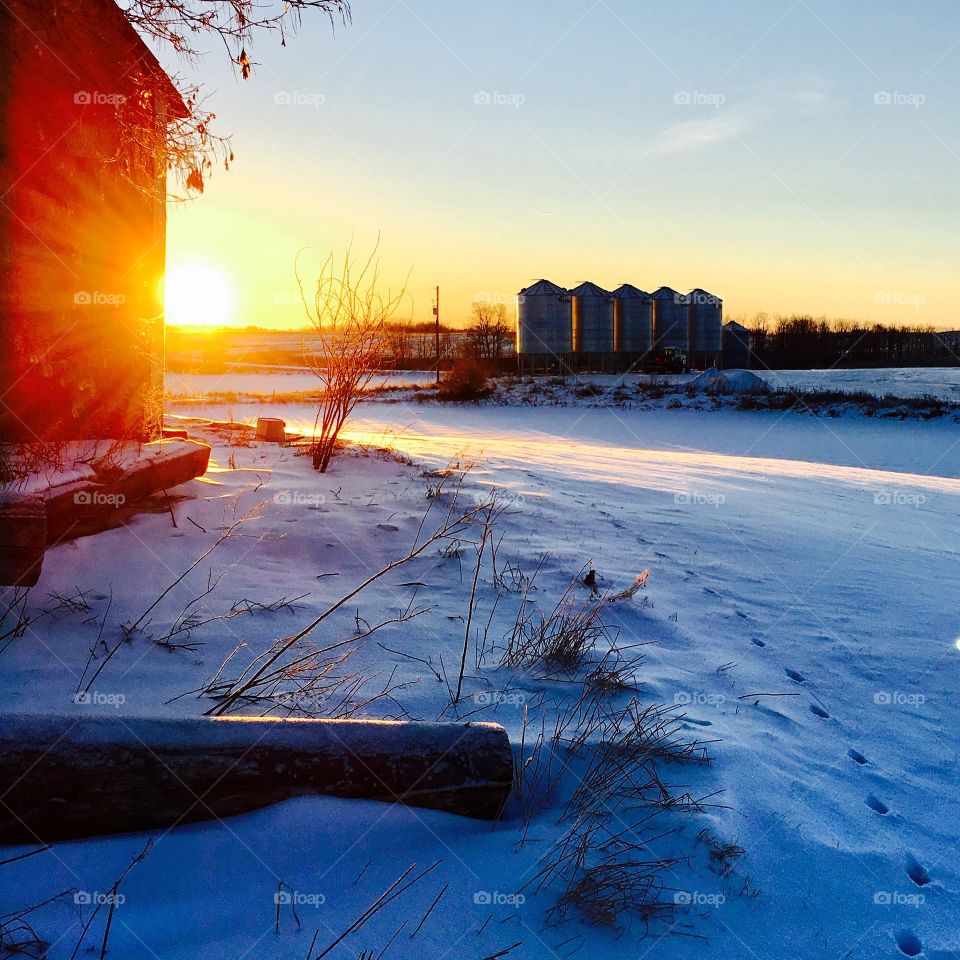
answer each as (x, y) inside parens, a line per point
(632, 320)
(544, 323)
(706, 329)
(671, 320)
(737, 346)
(592, 319)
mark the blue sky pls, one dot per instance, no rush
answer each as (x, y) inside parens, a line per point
(789, 156)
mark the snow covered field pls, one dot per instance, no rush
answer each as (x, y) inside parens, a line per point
(259, 382)
(801, 615)
(941, 382)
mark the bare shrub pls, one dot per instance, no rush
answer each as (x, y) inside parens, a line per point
(468, 380)
(348, 311)
(490, 335)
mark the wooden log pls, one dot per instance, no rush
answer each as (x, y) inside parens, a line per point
(23, 538)
(156, 466)
(80, 508)
(66, 778)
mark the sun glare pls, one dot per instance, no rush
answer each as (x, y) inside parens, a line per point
(198, 294)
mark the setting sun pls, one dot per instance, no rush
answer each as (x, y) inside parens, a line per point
(198, 294)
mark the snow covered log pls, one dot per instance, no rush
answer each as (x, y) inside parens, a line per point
(78, 509)
(66, 778)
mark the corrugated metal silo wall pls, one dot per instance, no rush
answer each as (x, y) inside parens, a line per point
(706, 329)
(543, 324)
(592, 324)
(671, 321)
(633, 323)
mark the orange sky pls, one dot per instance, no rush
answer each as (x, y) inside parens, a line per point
(791, 162)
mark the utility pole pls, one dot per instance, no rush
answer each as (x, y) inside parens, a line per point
(436, 313)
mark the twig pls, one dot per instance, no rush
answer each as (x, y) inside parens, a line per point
(429, 911)
(747, 696)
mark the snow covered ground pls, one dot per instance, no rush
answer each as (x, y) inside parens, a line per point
(801, 615)
(941, 382)
(242, 380)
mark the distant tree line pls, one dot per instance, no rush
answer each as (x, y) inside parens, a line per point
(804, 342)
(489, 339)
(406, 345)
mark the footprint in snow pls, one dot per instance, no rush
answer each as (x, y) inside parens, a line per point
(856, 756)
(699, 723)
(909, 943)
(877, 805)
(795, 677)
(917, 873)
(387, 526)
(757, 642)
(713, 593)
(819, 712)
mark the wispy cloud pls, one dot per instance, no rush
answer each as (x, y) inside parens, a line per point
(693, 135)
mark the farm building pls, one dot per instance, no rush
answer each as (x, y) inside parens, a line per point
(589, 328)
(85, 107)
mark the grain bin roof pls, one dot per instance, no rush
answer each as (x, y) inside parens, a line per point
(735, 327)
(543, 288)
(665, 293)
(700, 292)
(627, 291)
(588, 289)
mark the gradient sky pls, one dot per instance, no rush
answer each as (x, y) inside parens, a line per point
(789, 156)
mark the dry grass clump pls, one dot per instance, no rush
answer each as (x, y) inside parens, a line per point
(607, 759)
(605, 866)
(558, 641)
(297, 674)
